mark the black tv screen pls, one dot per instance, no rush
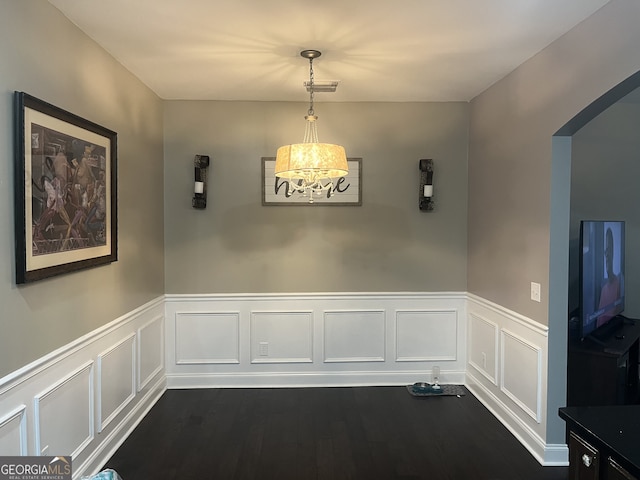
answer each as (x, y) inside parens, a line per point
(601, 274)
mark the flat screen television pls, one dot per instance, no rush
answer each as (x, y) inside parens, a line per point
(601, 277)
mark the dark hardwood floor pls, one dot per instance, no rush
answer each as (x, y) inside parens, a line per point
(323, 433)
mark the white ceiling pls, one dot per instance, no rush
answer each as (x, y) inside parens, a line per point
(379, 50)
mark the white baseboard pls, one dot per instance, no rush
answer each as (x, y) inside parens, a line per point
(525, 436)
(556, 455)
(546, 454)
(298, 380)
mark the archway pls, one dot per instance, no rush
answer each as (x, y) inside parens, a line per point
(559, 258)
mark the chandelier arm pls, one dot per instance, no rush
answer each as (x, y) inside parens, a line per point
(311, 187)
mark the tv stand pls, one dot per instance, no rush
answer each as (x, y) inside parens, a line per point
(613, 329)
(604, 370)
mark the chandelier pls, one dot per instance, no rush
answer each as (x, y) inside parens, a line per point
(310, 166)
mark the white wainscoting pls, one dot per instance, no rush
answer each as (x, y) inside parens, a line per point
(507, 372)
(13, 432)
(82, 399)
(301, 340)
(88, 396)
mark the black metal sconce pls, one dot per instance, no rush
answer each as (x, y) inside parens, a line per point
(201, 163)
(426, 185)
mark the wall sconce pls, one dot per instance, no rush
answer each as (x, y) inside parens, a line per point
(425, 199)
(201, 163)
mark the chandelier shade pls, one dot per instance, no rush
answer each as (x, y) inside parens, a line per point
(304, 160)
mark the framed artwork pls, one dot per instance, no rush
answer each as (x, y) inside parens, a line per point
(65, 191)
(347, 190)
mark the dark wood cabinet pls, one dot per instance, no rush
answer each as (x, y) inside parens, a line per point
(585, 463)
(616, 472)
(584, 459)
(603, 442)
(604, 372)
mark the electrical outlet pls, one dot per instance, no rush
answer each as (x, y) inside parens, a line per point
(264, 349)
(484, 360)
(535, 291)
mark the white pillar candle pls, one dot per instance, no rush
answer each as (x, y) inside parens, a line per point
(428, 191)
(199, 187)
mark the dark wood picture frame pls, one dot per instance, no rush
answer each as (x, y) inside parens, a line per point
(65, 191)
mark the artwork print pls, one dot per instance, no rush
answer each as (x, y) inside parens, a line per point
(65, 192)
(347, 191)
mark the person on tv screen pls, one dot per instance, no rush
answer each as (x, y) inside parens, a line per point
(611, 289)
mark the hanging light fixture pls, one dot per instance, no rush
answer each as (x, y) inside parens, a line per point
(310, 166)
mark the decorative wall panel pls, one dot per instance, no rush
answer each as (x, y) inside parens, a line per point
(150, 351)
(483, 346)
(207, 338)
(64, 414)
(13, 433)
(116, 380)
(521, 372)
(354, 336)
(426, 335)
(281, 337)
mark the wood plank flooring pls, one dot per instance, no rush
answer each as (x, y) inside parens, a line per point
(323, 433)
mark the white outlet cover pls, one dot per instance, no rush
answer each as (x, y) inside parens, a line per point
(535, 291)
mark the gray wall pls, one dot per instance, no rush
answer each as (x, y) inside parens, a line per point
(512, 124)
(45, 55)
(387, 244)
(604, 186)
(516, 234)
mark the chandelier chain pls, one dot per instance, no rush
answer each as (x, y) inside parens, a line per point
(311, 112)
